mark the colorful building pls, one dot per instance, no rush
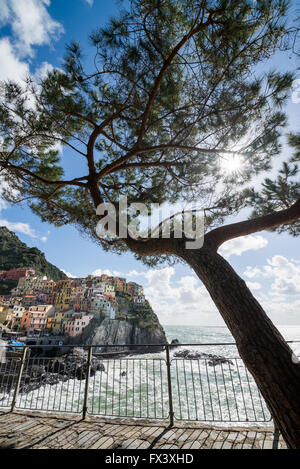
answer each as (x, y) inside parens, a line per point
(17, 273)
(39, 315)
(76, 325)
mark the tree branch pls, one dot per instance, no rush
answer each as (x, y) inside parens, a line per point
(72, 182)
(218, 236)
(163, 70)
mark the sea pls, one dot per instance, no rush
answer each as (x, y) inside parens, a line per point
(202, 390)
(219, 335)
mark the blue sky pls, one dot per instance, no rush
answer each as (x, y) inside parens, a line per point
(33, 34)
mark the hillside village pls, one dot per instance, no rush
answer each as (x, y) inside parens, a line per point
(38, 305)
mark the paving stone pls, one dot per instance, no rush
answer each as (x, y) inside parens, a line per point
(227, 445)
(247, 446)
(144, 445)
(183, 437)
(150, 430)
(54, 431)
(251, 435)
(103, 443)
(132, 443)
(87, 438)
(266, 444)
(231, 437)
(170, 435)
(204, 434)
(195, 445)
(168, 447)
(240, 437)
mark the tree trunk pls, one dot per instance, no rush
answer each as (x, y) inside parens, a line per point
(262, 348)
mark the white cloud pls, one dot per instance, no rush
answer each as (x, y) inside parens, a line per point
(11, 66)
(254, 285)
(281, 310)
(239, 245)
(251, 272)
(68, 274)
(281, 293)
(24, 228)
(90, 2)
(184, 301)
(285, 274)
(42, 71)
(19, 226)
(31, 24)
(99, 272)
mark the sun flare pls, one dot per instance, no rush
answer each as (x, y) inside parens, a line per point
(231, 164)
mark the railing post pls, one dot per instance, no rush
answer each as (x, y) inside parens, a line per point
(168, 363)
(87, 380)
(23, 359)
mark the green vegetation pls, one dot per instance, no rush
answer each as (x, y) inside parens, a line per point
(142, 316)
(7, 285)
(14, 253)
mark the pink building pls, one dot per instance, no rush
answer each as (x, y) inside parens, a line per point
(17, 273)
(77, 324)
(39, 315)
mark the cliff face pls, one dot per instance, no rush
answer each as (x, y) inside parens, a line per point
(116, 332)
(14, 253)
(122, 332)
(134, 324)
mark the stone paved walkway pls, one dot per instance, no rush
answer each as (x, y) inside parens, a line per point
(32, 430)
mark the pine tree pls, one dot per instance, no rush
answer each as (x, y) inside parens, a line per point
(281, 193)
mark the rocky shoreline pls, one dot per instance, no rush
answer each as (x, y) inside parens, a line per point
(42, 371)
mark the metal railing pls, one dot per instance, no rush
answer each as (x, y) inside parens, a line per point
(158, 387)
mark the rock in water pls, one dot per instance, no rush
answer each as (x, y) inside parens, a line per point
(212, 360)
(174, 343)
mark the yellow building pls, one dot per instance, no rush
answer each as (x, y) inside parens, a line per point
(63, 284)
(63, 296)
(109, 289)
(4, 310)
(57, 325)
(48, 286)
(50, 322)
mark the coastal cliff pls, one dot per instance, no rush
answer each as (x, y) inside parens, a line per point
(116, 332)
(133, 325)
